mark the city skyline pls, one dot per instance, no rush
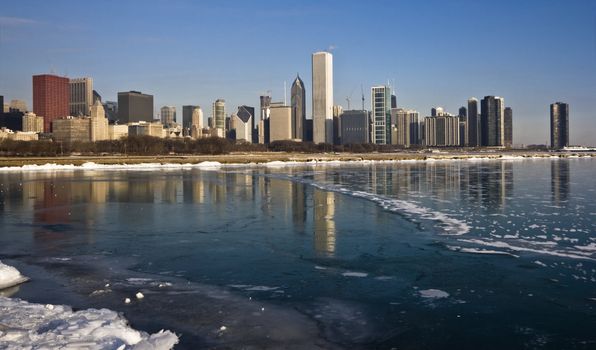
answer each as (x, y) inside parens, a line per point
(433, 73)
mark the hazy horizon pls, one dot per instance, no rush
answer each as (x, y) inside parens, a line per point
(434, 53)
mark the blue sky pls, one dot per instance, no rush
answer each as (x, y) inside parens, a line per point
(437, 53)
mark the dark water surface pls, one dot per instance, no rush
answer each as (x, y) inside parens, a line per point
(464, 254)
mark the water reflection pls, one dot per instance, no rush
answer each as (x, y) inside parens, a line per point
(559, 185)
(324, 222)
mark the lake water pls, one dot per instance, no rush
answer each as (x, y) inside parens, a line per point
(410, 255)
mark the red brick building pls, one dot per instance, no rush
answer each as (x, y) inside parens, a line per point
(51, 98)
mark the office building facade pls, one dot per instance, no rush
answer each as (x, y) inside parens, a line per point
(406, 130)
(187, 116)
(51, 95)
(559, 125)
(81, 96)
(492, 127)
(134, 106)
(219, 116)
(168, 116)
(472, 122)
(508, 125)
(441, 131)
(280, 123)
(354, 126)
(322, 97)
(380, 98)
(298, 103)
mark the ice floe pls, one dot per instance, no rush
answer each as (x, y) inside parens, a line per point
(10, 276)
(433, 294)
(31, 326)
(354, 274)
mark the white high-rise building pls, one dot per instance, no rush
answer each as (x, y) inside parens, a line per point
(196, 124)
(322, 97)
(380, 97)
(81, 96)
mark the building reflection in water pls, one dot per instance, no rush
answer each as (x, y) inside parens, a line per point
(324, 222)
(559, 181)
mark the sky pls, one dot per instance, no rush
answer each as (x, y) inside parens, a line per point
(434, 53)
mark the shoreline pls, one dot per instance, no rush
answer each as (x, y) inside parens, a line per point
(269, 157)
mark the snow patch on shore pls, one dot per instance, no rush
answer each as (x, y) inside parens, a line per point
(95, 166)
(27, 325)
(10, 276)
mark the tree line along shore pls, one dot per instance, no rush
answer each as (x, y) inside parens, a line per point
(147, 149)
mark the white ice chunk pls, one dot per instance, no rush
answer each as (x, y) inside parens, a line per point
(27, 325)
(10, 276)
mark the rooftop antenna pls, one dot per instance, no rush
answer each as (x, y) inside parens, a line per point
(349, 98)
(362, 91)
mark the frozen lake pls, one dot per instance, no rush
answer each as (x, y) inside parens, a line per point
(444, 254)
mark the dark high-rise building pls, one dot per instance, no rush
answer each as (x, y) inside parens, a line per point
(2, 104)
(187, 116)
(111, 109)
(491, 121)
(508, 123)
(96, 97)
(265, 103)
(463, 113)
(51, 98)
(393, 101)
(559, 125)
(308, 125)
(463, 125)
(472, 123)
(134, 106)
(354, 127)
(12, 120)
(298, 101)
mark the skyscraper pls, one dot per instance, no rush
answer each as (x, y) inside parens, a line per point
(280, 122)
(559, 125)
(380, 97)
(322, 97)
(406, 123)
(265, 102)
(472, 123)
(219, 115)
(492, 127)
(168, 115)
(508, 123)
(81, 96)
(437, 111)
(196, 124)
(463, 126)
(441, 131)
(187, 116)
(50, 98)
(242, 123)
(134, 106)
(354, 127)
(298, 101)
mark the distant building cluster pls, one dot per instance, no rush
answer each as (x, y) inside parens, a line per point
(69, 110)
